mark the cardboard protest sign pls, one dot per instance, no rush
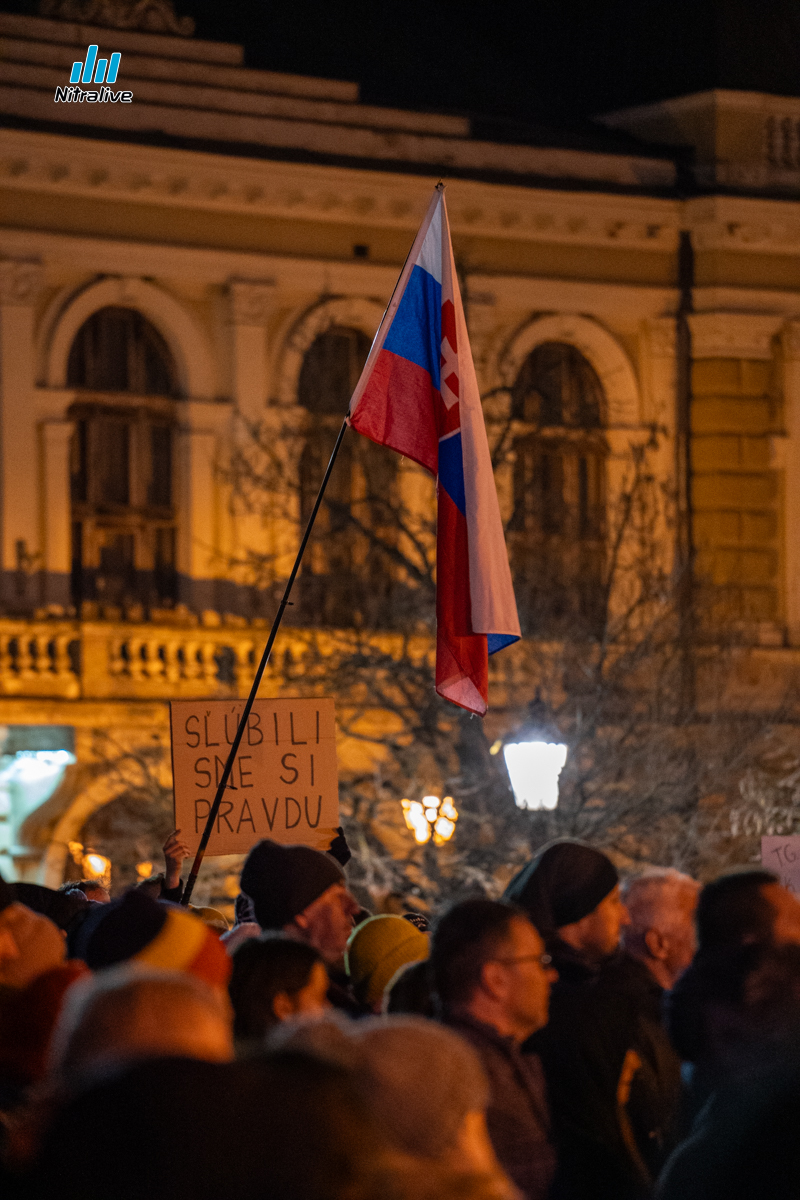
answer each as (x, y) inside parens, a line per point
(782, 855)
(284, 784)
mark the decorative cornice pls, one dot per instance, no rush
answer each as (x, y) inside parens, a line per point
(733, 335)
(67, 166)
(151, 16)
(744, 224)
(20, 281)
(251, 302)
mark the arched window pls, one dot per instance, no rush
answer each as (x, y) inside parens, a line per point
(346, 574)
(556, 531)
(123, 514)
(118, 350)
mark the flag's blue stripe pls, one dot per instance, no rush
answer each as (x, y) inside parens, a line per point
(498, 641)
(451, 471)
(416, 331)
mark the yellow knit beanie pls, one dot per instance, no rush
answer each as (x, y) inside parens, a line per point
(377, 949)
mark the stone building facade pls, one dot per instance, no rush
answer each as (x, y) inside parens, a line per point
(169, 268)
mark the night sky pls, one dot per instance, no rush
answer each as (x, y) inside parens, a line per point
(551, 62)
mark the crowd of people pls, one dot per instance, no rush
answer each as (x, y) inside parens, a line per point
(582, 1038)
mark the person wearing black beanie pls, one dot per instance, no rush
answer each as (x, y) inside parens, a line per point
(594, 1037)
(303, 893)
(564, 885)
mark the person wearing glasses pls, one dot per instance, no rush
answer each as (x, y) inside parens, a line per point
(492, 979)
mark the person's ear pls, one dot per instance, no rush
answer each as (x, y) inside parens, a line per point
(493, 979)
(656, 944)
(283, 1006)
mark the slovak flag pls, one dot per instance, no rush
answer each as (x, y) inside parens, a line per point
(419, 395)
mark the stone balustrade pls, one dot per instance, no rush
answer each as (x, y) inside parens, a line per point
(40, 658)
(108, 660)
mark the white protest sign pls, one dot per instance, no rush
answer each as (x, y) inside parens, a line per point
(782, 855)
(284, 784)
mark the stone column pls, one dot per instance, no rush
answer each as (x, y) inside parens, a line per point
(658, 373)
(57, 532)
(20, 552)
(198, 538)
(788, 456)
(251, 304)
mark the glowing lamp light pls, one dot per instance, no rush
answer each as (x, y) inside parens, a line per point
(416, 821)
(144, 870)
(431, 817)
(534, 768)
(445, 824)
(96, 866)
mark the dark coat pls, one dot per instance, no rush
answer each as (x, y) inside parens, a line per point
(703, 1014)
(654, 1105)
(744, 1144)
(611, 1139)
(518, 1116)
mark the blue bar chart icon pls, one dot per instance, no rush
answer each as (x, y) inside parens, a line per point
(82, 72)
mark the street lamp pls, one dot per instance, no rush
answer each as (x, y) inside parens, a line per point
(534, 756)
(97, 866)
(93, 866)
(534, 768)
(431, 817)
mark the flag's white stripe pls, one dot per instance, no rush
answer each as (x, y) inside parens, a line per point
(430, 255)
(494, 608)
(394, 303)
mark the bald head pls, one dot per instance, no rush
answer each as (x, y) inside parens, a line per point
(122, 1014)
(661, 904)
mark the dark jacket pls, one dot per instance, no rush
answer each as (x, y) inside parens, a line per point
(518, 1116)
(744, 1143)
(604, 1030)
(708, 1022)
(654, 1104)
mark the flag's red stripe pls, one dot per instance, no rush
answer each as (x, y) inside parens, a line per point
(398, 409)
(461, 656)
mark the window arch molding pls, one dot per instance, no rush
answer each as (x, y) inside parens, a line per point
(596, 344)
(70, 821)
(186, 341)
(353, 312)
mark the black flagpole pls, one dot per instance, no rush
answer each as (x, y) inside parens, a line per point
(273, 633)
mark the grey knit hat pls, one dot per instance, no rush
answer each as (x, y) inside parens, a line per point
(418, 1078)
